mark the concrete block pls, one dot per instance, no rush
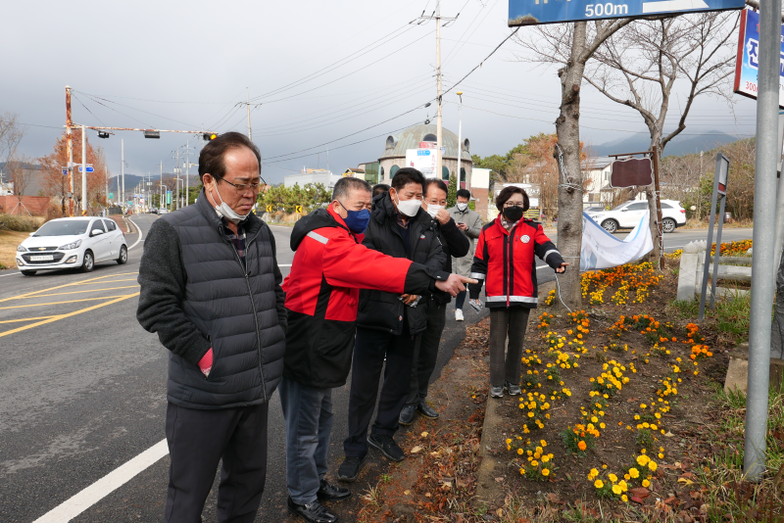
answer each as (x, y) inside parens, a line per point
(687, 276)
(738, 371)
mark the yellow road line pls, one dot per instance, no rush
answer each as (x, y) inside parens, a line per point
(70, 314)
(28, 294)
(27, 319)
(111, 281)
(77, 292)
(71, 301)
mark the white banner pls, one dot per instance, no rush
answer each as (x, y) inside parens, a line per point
(602, 250)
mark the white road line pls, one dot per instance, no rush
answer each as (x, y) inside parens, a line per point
(9, 274)
(140, 234)
(91, 495)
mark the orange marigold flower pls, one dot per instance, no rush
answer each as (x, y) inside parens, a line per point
(581, 445)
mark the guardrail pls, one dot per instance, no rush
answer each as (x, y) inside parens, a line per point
(692, 265)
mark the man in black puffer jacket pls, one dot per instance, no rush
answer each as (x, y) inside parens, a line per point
(454, 243)
(210, 288)
(388, 323)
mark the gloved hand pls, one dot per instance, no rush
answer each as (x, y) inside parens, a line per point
(205, 363)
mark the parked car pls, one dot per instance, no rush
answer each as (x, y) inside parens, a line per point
(72, 243)
(627, 215)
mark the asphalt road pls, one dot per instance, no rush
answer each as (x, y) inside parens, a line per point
(82, 393)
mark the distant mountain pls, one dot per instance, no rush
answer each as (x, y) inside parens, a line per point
(132, 180)
(680, 145)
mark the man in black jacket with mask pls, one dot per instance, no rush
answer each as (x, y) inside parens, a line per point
(454, 243)
(388, 323)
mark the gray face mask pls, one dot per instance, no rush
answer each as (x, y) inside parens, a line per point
(224, 211)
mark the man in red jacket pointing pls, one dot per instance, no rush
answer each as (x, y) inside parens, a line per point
(322, 293)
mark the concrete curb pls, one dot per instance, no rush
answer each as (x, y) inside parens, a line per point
(487, 489)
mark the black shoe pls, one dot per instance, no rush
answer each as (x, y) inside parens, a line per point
(312, 512)
(327, 492)
(349, 469)
(407, 415)
(387, 446)
(427, 411)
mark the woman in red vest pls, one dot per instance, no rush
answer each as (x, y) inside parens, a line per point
(504, 263)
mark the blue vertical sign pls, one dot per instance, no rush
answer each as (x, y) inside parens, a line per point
(748, 56)
(531, 12)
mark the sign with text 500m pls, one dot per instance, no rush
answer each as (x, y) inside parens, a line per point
(530, 12)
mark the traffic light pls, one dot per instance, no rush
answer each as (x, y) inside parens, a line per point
(103, 134)
(152, 134)
(209, 136)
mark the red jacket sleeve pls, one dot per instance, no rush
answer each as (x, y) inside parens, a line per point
(350, 264)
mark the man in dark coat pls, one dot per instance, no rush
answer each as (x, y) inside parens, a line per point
(454, 243)
(388, 323)
(322, 294)
(210, 289)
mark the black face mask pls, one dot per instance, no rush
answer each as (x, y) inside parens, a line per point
(513, 214)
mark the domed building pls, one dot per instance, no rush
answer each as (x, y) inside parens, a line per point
(394, 155)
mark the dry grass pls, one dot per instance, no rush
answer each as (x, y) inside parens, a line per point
(9, 240)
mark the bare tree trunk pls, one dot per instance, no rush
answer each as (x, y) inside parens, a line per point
(570, 194)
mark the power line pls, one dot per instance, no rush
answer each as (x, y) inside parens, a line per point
(352, 134)
(343, 146)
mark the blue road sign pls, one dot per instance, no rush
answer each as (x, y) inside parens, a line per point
(89, 169)
(530, 12)
(65, 172)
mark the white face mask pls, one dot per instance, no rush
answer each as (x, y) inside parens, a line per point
(224, 211)
(462, 207)
(432, 210)
(408, 208)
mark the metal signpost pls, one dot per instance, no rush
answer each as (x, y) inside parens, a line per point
(762, 265)
(530, 12)
(719, 191)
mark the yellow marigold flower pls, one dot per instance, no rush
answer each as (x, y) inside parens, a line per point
(598, 483)
(508, 441)
(543, 443)
(625, 498)
(653, 466)
(545, 472)
(634, 473)
(612, 477)
(520, 452)
(616, 490)
(534, 463)
(646, 483)
(581, 445)
(642, 460)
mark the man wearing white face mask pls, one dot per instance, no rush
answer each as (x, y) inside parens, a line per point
(454, 243)
(210, 289)
(389, 323)
(470, 224)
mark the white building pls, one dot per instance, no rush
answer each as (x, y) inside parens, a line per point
(307, 176)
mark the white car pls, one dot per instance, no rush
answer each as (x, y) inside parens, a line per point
(72, 242)
(628, 215)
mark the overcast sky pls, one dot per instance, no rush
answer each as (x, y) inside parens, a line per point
(328, 74)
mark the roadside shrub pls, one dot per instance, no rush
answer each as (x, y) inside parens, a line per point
(19, 223)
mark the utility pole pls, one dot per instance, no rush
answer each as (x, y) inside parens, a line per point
(84, 172)
(69, 149)
(188, 172)
(122, 171)
(248, 104)
(460, 142)
(439, 128)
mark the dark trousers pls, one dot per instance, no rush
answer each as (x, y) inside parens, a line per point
(460, 300)
(507, 322)
(308, 414)
(369, 351)
(198, 440)
(426, 352)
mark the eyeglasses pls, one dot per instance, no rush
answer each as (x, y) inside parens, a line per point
(242, 188)
(513, 204)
